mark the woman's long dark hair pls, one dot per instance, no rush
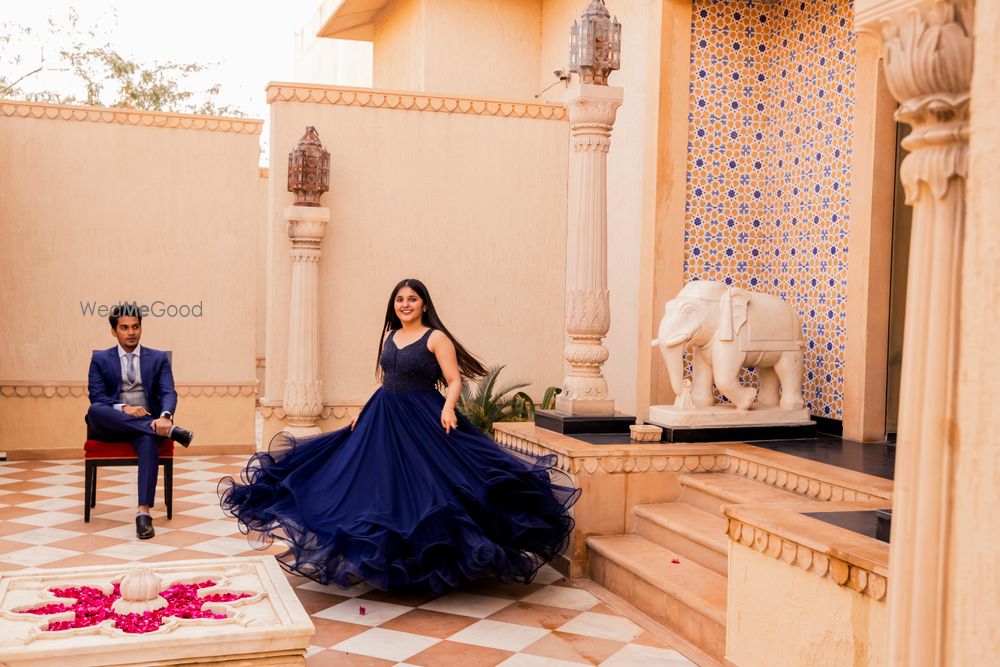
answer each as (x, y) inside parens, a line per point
(468, 364)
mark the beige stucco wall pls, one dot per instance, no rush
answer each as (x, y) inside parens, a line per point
(483, 48)
(972, 617)
(399, 46)
(103, 205)
(479, 48)
(779, 615)
(472, 204)
(333, 61)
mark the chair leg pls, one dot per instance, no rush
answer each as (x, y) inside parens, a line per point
(168, 487)
(93, 487)
(87, 483)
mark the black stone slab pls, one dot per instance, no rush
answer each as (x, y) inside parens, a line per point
(739, 433)
(872, 458)
(568, 424)
(862, 522)
(883, 524)
(605, 438)
(829, 426)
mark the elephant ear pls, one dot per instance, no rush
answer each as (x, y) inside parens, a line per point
(741, 298)
(734, 313)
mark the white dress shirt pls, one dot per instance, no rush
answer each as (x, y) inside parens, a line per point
(138, 371)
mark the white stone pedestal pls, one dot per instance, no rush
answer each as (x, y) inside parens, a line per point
(722, 416)
(269, 628)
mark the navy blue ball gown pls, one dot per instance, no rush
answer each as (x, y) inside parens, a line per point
(397, 502)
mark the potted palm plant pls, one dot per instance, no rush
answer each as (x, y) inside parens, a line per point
(484, 402)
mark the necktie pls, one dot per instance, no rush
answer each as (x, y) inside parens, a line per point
(129, 368)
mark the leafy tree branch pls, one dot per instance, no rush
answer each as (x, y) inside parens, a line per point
(98, 74)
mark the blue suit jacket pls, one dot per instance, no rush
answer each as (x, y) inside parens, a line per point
(105, 379)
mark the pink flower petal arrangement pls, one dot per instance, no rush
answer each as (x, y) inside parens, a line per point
(91, 606)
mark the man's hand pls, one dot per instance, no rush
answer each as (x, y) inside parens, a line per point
(162, 426)
(135, 411)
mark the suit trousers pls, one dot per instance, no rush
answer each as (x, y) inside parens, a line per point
(109, 424)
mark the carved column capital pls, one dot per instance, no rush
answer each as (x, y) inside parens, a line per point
(306, 226)
(593, 105)
(592, 113)
(927, 57)
(928, 64)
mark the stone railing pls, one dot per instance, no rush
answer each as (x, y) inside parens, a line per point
(846, 564)
(805, 478)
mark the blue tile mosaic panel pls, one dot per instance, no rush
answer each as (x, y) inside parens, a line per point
(771, 120)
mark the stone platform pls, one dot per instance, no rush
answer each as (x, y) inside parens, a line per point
(725, 423)
(268, 627)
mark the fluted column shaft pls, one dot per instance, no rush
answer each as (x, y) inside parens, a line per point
(303, 396)
(592, 112)
(927, 55)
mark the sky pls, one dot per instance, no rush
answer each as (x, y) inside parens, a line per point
(246, 43)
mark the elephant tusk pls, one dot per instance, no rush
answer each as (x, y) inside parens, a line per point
(676, 340)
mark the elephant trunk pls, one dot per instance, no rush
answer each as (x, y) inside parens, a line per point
(674, 357)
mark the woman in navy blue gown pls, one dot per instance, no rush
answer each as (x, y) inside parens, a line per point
(410, 496)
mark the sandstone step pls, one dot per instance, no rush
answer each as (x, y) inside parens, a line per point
(712, 491)
(686, 597)
(687, 530)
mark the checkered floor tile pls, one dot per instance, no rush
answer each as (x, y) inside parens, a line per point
(548, 623)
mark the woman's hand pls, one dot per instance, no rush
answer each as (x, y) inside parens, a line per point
(449, 419)
(444, 352)
(355, 420)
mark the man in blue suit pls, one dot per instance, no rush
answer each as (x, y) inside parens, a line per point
(129, 384)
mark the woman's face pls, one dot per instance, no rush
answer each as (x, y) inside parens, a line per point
(408, 305)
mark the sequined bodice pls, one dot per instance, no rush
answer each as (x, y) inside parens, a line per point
(412, 368)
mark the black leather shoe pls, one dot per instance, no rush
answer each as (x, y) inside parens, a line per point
(144, 526)
(181, 436)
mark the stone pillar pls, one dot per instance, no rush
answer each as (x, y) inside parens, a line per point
(927, 55)
(303, 398)
(592, 111)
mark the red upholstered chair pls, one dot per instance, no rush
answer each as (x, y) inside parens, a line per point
(98, 454)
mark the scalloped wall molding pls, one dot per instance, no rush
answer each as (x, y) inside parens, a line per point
(615, 464)
(71, 390)
(859, 579)
(179, 121)
(327, 411)
(411, 101)
(804, 485)
(727, 460)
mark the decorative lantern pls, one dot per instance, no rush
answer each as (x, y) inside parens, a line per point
(309, 169)
(595, 44)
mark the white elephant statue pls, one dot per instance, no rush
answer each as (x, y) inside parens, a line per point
(729, 328)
